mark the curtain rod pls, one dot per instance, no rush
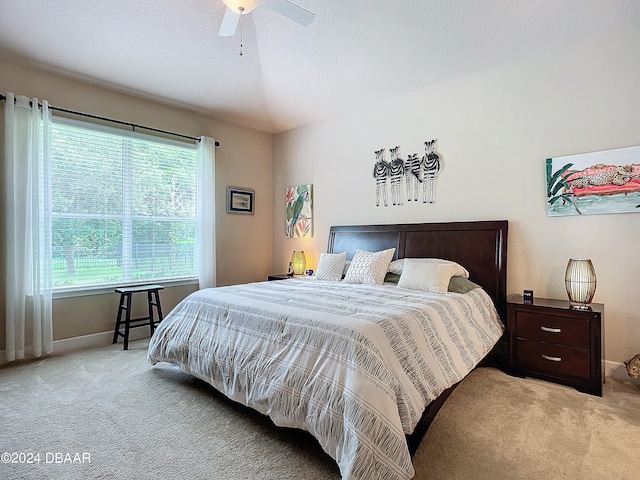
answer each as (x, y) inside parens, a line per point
(120, 122)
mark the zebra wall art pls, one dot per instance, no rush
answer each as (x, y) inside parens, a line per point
(380, 173)
(416, 170)
(396, 172)
(430, 169)
(412, 171)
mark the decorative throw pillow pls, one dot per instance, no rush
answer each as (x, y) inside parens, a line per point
(426, 276)
(458, 271)
(331, 266)
(369, 267)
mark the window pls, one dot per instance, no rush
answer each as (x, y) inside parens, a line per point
(124, 207)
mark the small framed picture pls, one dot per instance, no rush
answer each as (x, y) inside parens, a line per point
(240, 200)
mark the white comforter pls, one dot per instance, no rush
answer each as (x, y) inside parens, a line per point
(355, 365)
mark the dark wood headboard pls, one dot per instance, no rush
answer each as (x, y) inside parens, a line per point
(480, 247)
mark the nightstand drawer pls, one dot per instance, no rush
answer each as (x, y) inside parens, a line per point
(555, 359)
(553, 329)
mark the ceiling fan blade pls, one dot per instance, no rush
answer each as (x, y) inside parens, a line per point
(229, 23)
(289, 10)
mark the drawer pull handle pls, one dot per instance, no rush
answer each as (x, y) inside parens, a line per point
(551, 359)
(551, 330)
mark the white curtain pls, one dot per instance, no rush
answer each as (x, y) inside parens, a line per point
(206, 212)
(28, 227)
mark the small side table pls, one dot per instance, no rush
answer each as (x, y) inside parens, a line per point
(550, 340)
(153, 300)
(278, 276)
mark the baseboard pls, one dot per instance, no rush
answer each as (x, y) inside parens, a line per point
(93, 340)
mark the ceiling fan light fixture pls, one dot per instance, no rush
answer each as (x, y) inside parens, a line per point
(237, 8)
(241, 7)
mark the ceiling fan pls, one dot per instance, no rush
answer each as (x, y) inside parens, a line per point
(235, 8)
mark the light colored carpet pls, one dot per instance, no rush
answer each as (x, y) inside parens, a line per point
(136, 421)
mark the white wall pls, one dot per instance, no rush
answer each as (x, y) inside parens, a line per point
(495, 129)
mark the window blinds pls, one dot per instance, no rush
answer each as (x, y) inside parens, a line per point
(124, 207)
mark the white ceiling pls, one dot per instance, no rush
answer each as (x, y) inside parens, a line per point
(355, 51)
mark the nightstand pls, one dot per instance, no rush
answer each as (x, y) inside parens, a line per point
(552, 341)
(279, 276)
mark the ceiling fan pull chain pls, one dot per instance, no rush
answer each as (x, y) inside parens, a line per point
(241, 12)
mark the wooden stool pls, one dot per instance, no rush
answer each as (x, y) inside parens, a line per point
(153, 299)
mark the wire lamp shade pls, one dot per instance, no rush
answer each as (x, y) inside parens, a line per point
(298, 262)
(580, 281)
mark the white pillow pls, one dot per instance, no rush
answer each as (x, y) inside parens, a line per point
(330, 266)
(458, 270)
(426, 276)
(369, 267)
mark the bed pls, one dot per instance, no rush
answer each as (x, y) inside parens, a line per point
(362, 367)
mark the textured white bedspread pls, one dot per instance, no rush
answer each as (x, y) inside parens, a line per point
(355, 365)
